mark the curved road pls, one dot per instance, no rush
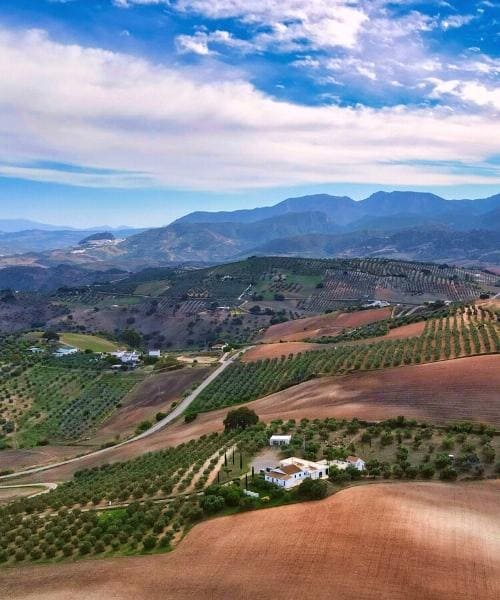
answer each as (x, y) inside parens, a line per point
(178, 410)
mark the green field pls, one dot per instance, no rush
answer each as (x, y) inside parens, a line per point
(83, 341)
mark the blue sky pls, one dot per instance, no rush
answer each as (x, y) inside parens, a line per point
(137, 111)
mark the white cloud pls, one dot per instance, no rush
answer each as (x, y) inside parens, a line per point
(152, 125)
(456, 21)
(472, 92)
(288, 23)
(200, 42)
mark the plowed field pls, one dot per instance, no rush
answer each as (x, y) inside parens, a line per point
(407, 541)
(263, 351)
(330, 324)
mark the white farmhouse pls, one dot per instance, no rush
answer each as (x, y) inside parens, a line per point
(154, 353)
(292, 472)
(127, 358)
(280, 440)
(350, 461)
(356, 462)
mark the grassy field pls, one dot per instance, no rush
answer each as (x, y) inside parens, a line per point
(83, 341)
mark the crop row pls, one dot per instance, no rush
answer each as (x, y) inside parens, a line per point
(452, 336)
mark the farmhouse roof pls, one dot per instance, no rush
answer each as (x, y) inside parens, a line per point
(278, 474)
(352, 458)
(290, 469)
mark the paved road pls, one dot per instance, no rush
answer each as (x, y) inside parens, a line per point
(178, 410)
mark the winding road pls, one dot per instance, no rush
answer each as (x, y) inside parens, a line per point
(226, 360)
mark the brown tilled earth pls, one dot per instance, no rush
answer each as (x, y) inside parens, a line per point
(277, 350)
(404, 541)
(263, 351)
(330, 324)
(153, 395)
(43, 455)
(460, 389)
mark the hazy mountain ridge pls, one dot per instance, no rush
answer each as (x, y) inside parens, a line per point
(410, 225)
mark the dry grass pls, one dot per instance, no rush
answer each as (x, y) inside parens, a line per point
(405, 541)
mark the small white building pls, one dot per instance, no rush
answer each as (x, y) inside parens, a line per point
(292, 472)
(126, 357)
(65, 351)
(35, 350)
(280, 440)
(350, 461)
(154, 353)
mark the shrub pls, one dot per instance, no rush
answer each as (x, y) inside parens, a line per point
(149, 542)
(190, 417)
(448, 474)
(312, 489)
(212, 504)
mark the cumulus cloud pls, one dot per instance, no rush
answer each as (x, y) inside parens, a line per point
(287, 24)
(150, 125)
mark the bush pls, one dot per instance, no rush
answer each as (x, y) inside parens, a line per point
(212, 504)
(312, 489)
(142, 427)
(190, 417)
(426, 471)
(448, 474)
(149, 542)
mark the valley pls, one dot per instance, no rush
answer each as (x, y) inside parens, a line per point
(394, 361)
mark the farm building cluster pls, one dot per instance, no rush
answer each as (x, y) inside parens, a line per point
(293, 471)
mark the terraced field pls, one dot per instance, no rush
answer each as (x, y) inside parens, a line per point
(468, 331)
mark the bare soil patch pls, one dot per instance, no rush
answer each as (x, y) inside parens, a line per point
(406, 331)
(263, 351)
(43, 455)
(405, 541)
(154, 394)
(330, 324)
(9, 494)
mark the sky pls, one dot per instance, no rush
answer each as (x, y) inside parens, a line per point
(134, 112)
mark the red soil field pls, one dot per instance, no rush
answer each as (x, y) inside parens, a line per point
(263, 351)
(403, 541)
(406, 331)
(330, 324)
(460, 389)
(277, 350)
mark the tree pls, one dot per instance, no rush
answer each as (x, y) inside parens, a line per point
(240, 418)
(312, 489)
(51, 336)
(131, 337)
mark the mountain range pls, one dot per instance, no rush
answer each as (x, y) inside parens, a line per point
(409, 225)
(435, 227)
